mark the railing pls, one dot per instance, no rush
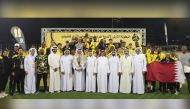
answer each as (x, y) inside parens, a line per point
(163, 47)
(171, 47)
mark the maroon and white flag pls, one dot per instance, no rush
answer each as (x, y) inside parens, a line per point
(165, 72)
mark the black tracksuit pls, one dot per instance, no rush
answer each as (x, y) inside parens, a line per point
(19, 75)
(5, 69)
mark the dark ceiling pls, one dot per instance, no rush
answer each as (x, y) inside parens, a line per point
(178, 29)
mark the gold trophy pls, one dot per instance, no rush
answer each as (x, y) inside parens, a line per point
(79, 61)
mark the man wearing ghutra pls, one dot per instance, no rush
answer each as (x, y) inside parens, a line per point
(140, 67)
(54, 67)
(66, 71)
(102, 72)
(115, 70)
(91, 71)
(29, 67)
(79, 67)
(127, 69)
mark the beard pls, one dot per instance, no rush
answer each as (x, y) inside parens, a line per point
(42, 53)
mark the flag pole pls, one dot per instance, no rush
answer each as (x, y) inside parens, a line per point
(166, 34)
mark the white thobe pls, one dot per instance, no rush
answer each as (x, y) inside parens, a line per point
(79, 76)
(54, 62)
(91, 65)
(140, 66)
(67, 77)
(30, 79)
(127, 68)
(102, 70)
(114, 65)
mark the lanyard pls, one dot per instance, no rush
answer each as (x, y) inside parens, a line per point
(21, 60)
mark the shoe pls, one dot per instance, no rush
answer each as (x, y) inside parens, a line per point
(151, 87)
(165, 91)
(148, 90)
(169, 90)
(1, 96)
(160, 90)
(51, 92)
(45, 91)
(176, 93)
(36, 92)
(11, 94)
(4, 94)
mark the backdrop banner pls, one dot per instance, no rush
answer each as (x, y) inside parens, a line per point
(61, 35)
(19, 36)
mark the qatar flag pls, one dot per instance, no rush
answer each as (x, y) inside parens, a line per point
(165, 72)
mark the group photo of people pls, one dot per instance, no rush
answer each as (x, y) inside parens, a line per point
(94, 58)
(84, 65)
(94, 54)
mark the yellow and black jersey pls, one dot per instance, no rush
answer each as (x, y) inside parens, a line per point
(43, 48)
(152, 57)
(174, 58)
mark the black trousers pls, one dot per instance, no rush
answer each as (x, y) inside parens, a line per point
(39, 77)
(3, 81)
(178, 86)
(20, 81)
(163, 87)
(145, 80)
(17, 79)
(153, 86)
(187, 75)
(172, 87)
(12, 84)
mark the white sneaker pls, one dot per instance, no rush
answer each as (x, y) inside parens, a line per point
(151, 87)
(4, 94)
(1, 96)
(176, 93)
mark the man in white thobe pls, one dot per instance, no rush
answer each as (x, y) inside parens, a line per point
(66, 71)
(91, 72)
(79, 74)
(102, 72)
(54, 66)
(29, 67)
(115, 70)
(127, 69)
(140, 67)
